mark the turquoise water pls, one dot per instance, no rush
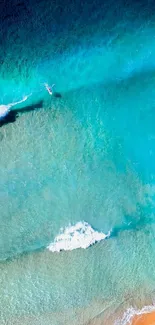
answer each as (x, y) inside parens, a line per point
(87, 156)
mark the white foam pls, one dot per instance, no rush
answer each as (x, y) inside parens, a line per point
(4, 110)
(82, 235)
(132, 312)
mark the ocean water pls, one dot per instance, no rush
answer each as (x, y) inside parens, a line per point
(77, 171)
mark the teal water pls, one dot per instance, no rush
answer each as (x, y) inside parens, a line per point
(87, 156)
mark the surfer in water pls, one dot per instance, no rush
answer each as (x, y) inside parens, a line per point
(5, 109)
(49, 89)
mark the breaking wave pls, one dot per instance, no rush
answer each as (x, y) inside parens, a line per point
(82, 235)
(132, 312)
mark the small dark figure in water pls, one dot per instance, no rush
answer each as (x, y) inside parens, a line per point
(9, 116)
(50, 91)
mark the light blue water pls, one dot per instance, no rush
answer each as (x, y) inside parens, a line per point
(86, 156)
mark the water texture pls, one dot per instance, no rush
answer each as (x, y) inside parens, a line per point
(79, 163)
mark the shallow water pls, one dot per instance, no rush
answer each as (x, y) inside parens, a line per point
(85, 156)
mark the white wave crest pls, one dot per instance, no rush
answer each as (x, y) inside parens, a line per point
(4, 110)
(82, 235)
(132, 312)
